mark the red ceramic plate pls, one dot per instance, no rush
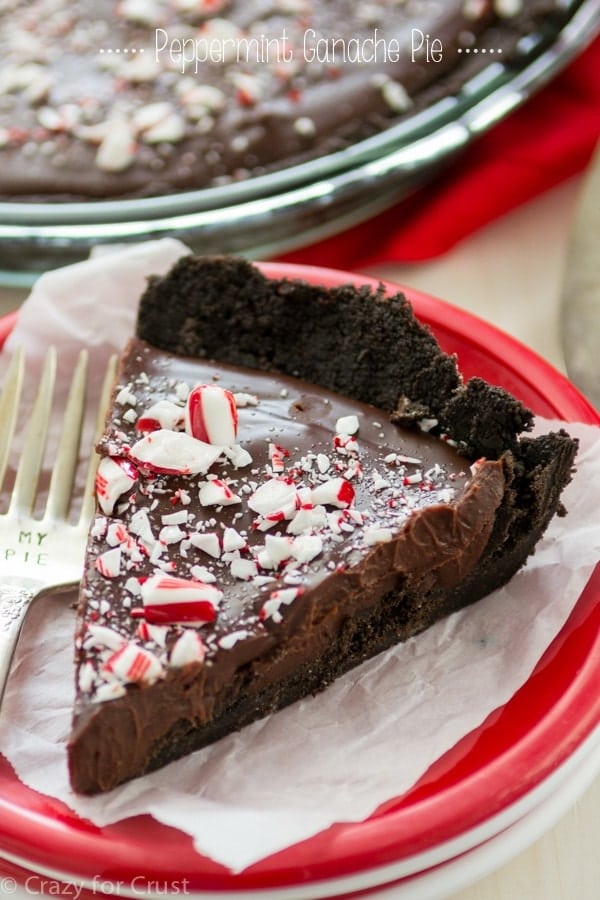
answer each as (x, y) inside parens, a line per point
(512, 753)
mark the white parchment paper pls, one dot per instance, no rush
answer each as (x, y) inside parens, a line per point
(332, 758)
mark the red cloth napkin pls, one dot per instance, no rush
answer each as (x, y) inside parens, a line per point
(547, 140)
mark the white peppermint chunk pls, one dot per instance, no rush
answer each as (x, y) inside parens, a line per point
(87, 677)
(99, 527)
(274, 495)
(323, 463)
(117, 150)
(171, 534)
(230, 640)
(242, 399)
(140, 526)
(396, 96)
(506, 9)
(233, 540)
(276, 550)
(244, 569)
(306, 547)
(189, 648)
(100, 637)
(203, 574)
(175, 518)
(208, 542)
(347, 425)
(110, 691)
(284, 596)
(377, 534)
(132, 585)
(307, 520)
(238, 456)
(144, 12)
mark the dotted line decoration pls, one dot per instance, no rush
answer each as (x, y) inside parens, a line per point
(121, 50)
(478, 50)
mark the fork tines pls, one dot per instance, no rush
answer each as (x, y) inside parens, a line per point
(39, 435)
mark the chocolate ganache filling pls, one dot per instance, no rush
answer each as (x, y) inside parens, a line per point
(214, 578)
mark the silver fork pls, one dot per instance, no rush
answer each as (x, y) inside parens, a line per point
(45, 553)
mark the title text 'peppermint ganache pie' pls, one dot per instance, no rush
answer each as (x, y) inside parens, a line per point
(292, 479)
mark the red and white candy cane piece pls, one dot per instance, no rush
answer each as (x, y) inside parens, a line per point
(174, 453)
(133, 664)
(156, 634)
(277, 457)
(163, 414)
(109, 562)
(189, 648)
(335, 492)
(113, 479)
(217, 493)
(168, 600)
(211, 415)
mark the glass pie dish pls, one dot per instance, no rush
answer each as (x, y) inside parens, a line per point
(297, 205)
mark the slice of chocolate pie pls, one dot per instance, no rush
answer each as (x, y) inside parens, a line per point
(292, 480)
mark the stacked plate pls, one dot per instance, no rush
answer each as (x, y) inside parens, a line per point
(493, 793)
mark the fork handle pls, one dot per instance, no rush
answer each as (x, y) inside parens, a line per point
(14, 603)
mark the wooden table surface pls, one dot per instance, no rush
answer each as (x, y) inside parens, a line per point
(510, 274)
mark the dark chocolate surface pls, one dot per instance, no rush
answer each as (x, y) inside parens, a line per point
(418, 511)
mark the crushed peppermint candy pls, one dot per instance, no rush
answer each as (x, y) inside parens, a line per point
(183, 518)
